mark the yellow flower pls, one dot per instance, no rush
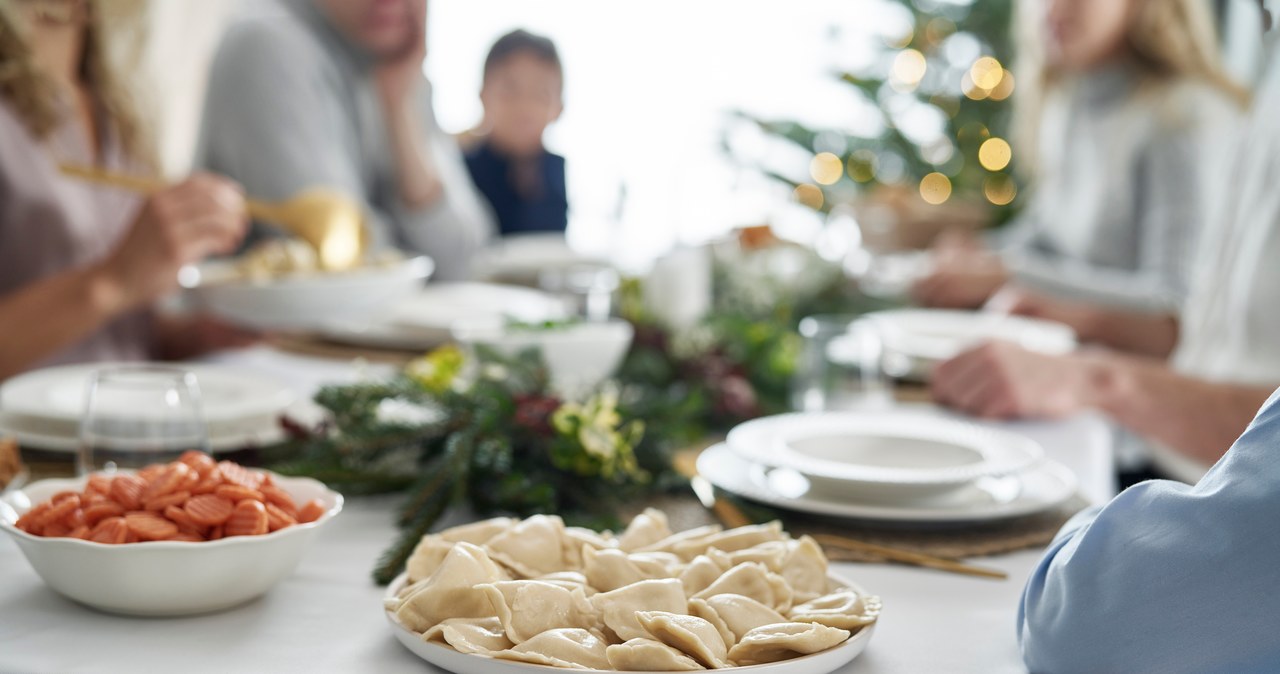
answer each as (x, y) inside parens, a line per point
(437, 370)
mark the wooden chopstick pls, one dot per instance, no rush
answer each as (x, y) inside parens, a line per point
(909, 557)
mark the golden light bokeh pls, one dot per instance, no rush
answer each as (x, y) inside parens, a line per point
(909, 68)
(862, 166)
(971, 90)
(826, 168)
(1004, 89)
(1000, 190)
(995, 154)
(986, 73)
(809, 195)
(935, 189)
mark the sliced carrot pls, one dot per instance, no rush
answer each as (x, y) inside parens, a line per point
(100, 511)
(159, 503)
(127, 491)
(112, 531)
(278, 519)
(237, 474)
(209, 509)
(311, 511)
(188, 538)
(151, 472)
(149, 526)
(236, 493)
(280, 498)
(214, 533)
(62, 505)
(56, 530)
(98, 484)
(202, 463)
(28, 521)
(81, 532)
(248, 519)
(167, 482)
(75, 518)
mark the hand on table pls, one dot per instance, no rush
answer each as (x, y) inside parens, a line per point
(1022, 302)
(999, 380)
(203, 215)
(963, 277)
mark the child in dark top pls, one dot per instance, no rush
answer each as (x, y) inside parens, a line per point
(523, 182)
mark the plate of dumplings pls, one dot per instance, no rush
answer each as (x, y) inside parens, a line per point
(506, 596)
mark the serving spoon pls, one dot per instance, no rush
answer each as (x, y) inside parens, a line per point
(326, 219)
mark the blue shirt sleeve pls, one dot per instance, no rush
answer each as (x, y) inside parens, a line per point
(1168, 577)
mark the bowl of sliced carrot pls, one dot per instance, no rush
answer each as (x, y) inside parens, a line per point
(181, 538)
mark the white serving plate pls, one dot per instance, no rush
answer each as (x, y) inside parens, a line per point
(579, 356)
(164, 578)
(1042, 488)
(915, 340)
(523, 257)
(461, 663)
(258, 434)
(302, 301)
(891, 455)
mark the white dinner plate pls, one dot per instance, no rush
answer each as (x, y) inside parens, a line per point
(1046, 486)
(891, 455)
(382, 333)
(523, 257)
(439, 307)
(461, 663)
(229, 440)
(915, 340)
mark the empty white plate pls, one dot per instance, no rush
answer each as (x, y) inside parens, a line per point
(888, 456)
(915, 340)
(1041, 488)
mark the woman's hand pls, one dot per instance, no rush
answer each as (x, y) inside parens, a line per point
(202, 216)
(999, 380)
(1081, 317)
(962, 278)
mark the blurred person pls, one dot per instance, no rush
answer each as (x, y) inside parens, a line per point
(522, 96)
(81, 265)
(1119, 107)
(1227, 360)
(306, 93)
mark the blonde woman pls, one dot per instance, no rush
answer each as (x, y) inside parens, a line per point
(81, 265)
(1119, 104)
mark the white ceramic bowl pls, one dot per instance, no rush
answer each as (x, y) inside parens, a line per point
(579, 356)
(165, 578)
(302, 301)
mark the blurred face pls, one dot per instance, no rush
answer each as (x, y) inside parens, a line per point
(382, 27)
(1084, 34)
(51, 14)
(521, 98)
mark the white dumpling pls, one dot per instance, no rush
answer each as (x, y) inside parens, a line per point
(618, 608)
(527, 608)
(427, 557)
(664, 564)
(478, 533)
(649, 655)
(685, 537)
(577, 538)
(645, 529)
(805, 569)
(470, 635)
(568, 648)
(751, 579)
(845, 609)
(451, 592)
(611, 569)
(700, 573)
(734, 615)
(784, 641)
(731, 540)
(688, 634)
(531, 548)
(771, 554)
(569, 580)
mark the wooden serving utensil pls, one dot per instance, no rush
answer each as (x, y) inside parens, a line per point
(327, 220)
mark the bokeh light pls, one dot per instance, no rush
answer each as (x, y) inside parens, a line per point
(809, 195)
(935, 189)
(1004, 89)
(863, 165)
(1000, 189)
(986, 73)
(826, 168)
(909, 68)
(995, 154)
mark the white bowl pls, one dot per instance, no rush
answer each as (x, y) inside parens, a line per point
(302, 301)
(579, 356)
(165, 578)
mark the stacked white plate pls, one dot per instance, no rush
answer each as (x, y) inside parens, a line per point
(42, 409)
(902, 466)
(424, 319)
(915, 340)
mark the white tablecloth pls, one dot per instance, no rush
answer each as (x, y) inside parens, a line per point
(328, 616)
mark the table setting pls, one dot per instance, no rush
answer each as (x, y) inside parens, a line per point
(658, 486)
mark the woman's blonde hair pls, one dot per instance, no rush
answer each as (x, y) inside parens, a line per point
(115, 40)
(1167, 40)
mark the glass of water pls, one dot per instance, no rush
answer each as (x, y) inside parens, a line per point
(139, 415)
(841, 366)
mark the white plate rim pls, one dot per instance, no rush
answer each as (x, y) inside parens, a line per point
(223, 443)
(852, 647)
(1036, 334)
(1067, 483)
(765, 441)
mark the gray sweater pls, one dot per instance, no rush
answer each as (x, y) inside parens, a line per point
(291, 105)
(1120, 198)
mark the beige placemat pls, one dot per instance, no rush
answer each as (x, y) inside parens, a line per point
(308, 345)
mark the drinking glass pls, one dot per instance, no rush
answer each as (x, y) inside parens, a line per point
(587, 289)
(138, 415)
(841, 366)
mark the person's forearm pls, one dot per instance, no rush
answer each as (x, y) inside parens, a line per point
(417, 178)
(1146, 334)
(50, 315)
(1193, 417)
